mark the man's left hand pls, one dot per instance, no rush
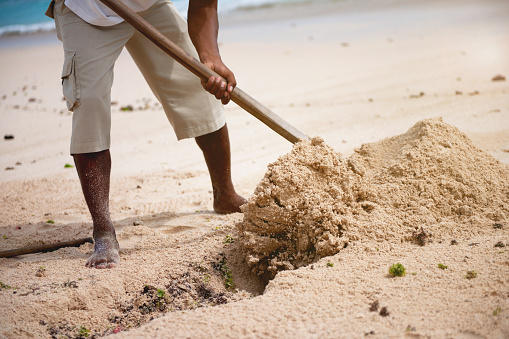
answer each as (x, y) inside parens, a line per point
(220, 87)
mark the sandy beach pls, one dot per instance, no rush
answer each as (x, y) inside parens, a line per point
(399, 91)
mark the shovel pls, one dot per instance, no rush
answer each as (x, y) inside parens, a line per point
(238, 96)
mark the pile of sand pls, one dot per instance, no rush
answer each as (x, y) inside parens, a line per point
(430, 183)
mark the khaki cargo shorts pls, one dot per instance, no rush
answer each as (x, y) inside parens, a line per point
(87, 76)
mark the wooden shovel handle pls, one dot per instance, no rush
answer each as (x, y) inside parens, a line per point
(238, 96)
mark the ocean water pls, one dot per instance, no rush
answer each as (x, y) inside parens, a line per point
(27, 16)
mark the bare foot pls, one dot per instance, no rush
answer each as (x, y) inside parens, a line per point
(225, 204)
(106, 253)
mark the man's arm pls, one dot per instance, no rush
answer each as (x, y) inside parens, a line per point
(203, 29)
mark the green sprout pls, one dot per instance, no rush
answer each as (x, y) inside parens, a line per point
(50, 221)
(442, 267)
(68, 166)
(160, 293)
(397, 270)
(330, 264)
(5, 237)
(497, 311)
(4, 286)
(83, 332)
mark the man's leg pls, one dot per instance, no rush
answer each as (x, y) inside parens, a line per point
(94, 173)
(216, 150)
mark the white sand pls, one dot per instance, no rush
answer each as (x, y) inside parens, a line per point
(351, 73)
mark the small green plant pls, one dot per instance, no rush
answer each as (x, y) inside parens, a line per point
(50, 221)
(68, 166)
(206, 278)
(414, 273)
(471, 275)
(397, 270)
(442, 267)
(4, 286)
(5, 237)
(83, 332)
(330, 264)
(497, 311)
(228, 239)
(225, 272)
(160, 293)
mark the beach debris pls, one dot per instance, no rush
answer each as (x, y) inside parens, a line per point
(410, 328)
(498, 77)
(459, 93)
(8, 137)
(70, 284)
(421, 237)
(41, 272)
(32, 100)
(415, 96)
(373, 307)
(137, 223)
(498, 226)
(9, 168)
(384, 311)
(471, 275)
(500, 244)
(473, 93)
(397, 270)
(63, 329)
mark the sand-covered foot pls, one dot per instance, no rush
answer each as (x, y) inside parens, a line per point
(106, 253)
(225, 204)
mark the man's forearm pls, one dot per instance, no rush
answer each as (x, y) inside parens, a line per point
(203, 28)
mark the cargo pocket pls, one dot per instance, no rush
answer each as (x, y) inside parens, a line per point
(69, 81)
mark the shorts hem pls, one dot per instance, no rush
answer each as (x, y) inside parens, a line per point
(90, 146)
(200, 130)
